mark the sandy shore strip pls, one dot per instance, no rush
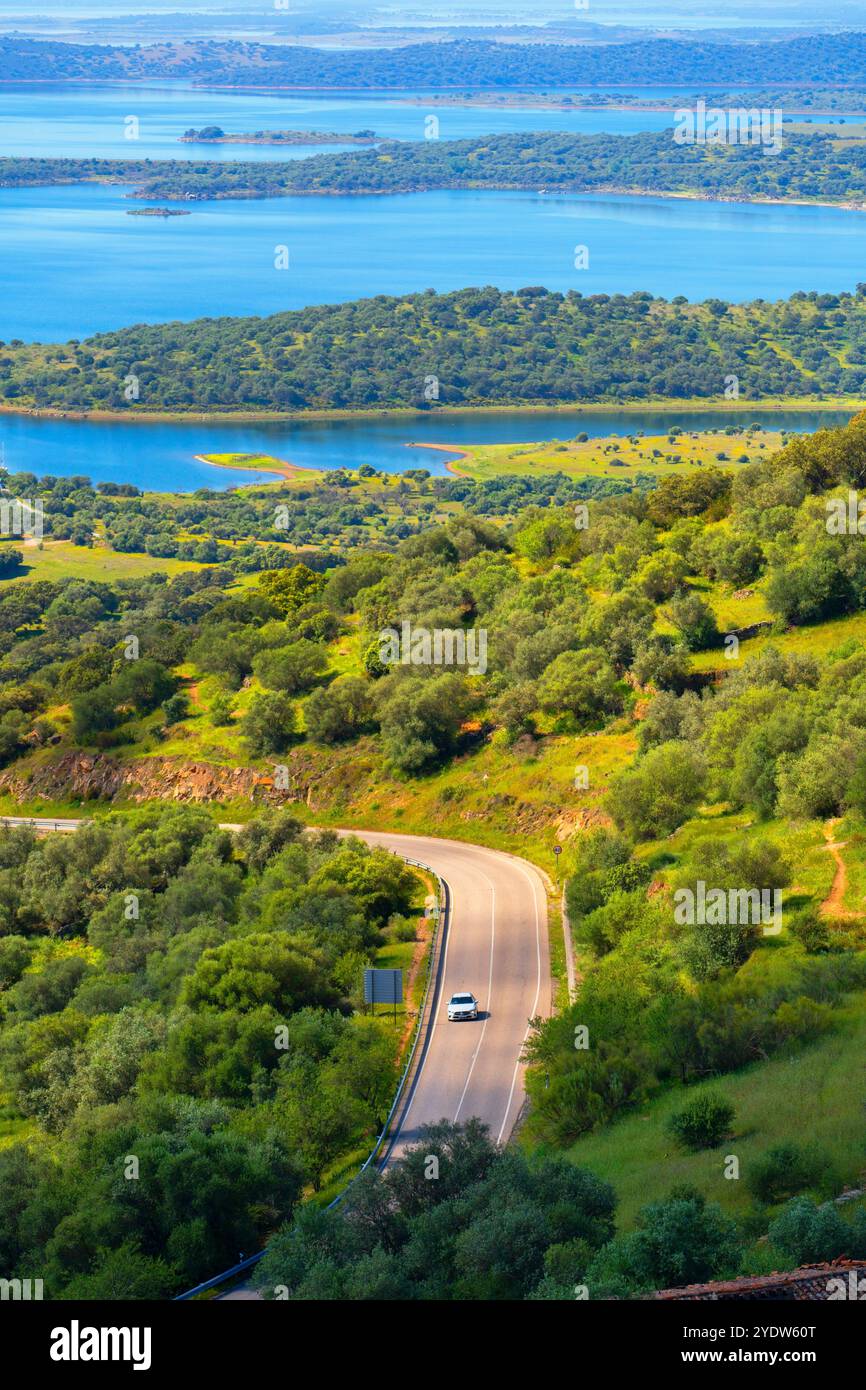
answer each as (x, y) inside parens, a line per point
(450, 464)
(688, 405)
(281, 467)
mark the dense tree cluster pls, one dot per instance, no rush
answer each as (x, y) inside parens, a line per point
(110, 653)
(668, 1003)
(493, 1225)
(270, 527)
(780, 736)
(483, 346)
(813, 165)
(580, 622)
(177, 1029)
(573, 618)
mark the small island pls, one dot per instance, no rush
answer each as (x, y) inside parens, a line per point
(158, 212)
(215, 135)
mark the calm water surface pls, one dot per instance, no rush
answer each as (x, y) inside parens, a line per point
(162, 456)
(83, 121)
(72, 262)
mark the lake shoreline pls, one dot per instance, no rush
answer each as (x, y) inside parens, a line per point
(249, 417)
(548, 102)
(602, 191)
(168, 84)
(450, 464)
(291, 139)
(143, 192)
(281, 468)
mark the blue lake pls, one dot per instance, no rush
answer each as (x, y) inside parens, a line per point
(72, 262)
(162, 456)
(84, 121)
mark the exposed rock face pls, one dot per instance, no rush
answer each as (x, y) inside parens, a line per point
(344, 782)
(105, 777)
(101, 777)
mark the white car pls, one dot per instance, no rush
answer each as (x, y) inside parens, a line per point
(462, 1006)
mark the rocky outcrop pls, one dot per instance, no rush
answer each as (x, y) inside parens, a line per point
(98, 776)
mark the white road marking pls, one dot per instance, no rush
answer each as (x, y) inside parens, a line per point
(72, 824)
(534, 884)
(489, 992)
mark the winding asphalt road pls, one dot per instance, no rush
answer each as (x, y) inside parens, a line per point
(497, 948)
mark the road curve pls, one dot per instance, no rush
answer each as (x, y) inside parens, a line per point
(496, 947)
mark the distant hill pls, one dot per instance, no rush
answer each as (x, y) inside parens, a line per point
(820, 59)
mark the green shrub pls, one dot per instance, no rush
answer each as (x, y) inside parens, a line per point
(403, 929)
(805, 1232)
(175, 708)
(270, 723)
(221, 710)
(703, 1123)
(783, 1172)
(811, 931)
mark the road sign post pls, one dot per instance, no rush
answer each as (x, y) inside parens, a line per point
(383, 987)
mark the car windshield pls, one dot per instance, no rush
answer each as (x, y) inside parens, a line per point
(462, 999)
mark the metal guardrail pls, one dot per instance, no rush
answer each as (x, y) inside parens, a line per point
(63, 826)
(439, 932)
(220, 1278)
(433, 962)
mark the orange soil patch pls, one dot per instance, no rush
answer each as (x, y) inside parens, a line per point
(834, 903)
(425, 929)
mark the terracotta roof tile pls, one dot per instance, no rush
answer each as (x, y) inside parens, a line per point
(810, 1283)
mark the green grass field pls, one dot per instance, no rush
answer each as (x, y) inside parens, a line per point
(815, 1096)
(293, 474)
(621, 458)
(62, 560)
(815, 641)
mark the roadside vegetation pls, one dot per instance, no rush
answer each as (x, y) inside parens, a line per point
(598, 618)
(183, 1049)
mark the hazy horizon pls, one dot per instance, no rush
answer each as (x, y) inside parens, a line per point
(746, 14)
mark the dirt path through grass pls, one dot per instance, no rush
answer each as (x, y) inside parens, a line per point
(834, 903)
